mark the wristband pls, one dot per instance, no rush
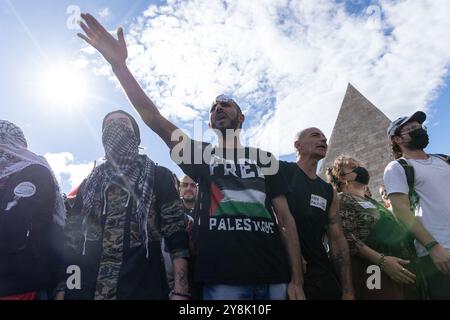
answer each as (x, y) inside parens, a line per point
(381, 262)
(431, 245)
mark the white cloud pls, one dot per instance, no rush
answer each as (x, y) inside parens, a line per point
(80, 63)
(89, 50)
(69, 173)
(288, 62)
(104, 13)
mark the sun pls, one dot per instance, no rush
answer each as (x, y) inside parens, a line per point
(64, 86)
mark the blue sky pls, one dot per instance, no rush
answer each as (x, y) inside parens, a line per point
(286, 62)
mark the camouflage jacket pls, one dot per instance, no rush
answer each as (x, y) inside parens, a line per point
(112, 256)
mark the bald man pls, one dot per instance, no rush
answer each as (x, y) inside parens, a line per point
(314, 204)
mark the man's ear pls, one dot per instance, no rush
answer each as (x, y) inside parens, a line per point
(397, 139)
(297, 145)
(241, 119)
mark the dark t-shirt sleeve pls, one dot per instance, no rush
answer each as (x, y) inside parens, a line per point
(171, 211)
(286, 173)
(188, 155)
(276, 184)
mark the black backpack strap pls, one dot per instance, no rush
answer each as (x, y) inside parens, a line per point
(412, 194)
(409, 171)
(443, 157)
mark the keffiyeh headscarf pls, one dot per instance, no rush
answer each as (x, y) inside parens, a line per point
(125, 168)
(14, 157)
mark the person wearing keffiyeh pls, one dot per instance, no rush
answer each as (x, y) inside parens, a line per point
(122, 210)
(32, 215)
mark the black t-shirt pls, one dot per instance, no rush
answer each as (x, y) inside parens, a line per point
(309, 201)
(236, 234)
(30, 263)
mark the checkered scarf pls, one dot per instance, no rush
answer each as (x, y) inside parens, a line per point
(14, 157)
(125, 168)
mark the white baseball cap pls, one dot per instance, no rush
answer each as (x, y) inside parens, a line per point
(419, 116)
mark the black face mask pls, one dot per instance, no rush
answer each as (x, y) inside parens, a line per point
(419, 139)
(362, 175)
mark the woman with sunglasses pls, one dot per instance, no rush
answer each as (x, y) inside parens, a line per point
(375, 238)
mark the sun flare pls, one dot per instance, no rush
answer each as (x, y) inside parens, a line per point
(63, 86)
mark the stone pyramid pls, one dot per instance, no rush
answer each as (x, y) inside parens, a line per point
(360, 132)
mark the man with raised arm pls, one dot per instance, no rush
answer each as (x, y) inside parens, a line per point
(240, 253)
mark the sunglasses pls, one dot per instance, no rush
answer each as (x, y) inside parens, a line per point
(411, 129)
(225, 100)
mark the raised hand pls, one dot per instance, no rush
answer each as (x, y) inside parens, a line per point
(112, 49)
(115, 52)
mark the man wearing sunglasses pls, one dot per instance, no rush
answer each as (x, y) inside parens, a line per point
(244, 251)
(418, 187)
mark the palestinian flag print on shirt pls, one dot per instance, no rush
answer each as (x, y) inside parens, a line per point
(239, 197)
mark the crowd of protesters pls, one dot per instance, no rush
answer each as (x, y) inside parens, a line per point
(240, 225)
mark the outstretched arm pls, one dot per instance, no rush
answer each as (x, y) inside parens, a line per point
(116, 53)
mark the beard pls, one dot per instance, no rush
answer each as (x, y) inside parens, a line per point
(189, 198)
(233, 124)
